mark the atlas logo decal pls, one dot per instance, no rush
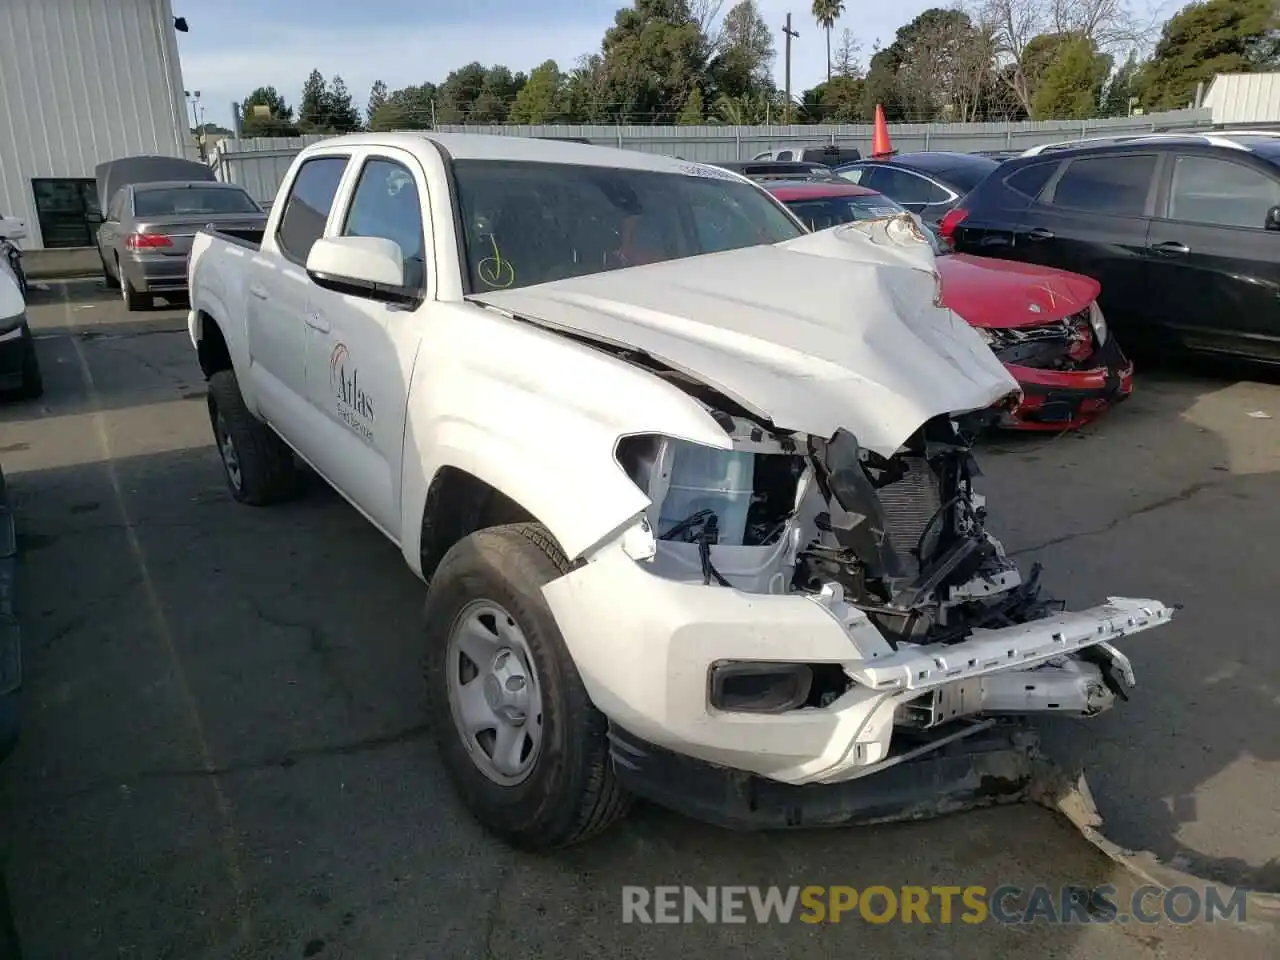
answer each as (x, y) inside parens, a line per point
(355, 407)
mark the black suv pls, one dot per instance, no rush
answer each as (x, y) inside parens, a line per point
(1182, 231)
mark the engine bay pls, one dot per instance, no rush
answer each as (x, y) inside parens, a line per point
(901, 538)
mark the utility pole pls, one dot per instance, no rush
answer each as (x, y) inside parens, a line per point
(789, 34)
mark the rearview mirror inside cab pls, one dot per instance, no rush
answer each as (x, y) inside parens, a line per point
(1273, 218)
(369, 267)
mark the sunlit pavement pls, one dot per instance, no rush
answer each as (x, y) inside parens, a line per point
(224, 755)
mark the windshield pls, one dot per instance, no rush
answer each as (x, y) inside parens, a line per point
(822, 213)
(175, 201)
(528, 223)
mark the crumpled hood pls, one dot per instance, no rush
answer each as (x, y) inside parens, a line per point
(829, 330)
(1005, 293)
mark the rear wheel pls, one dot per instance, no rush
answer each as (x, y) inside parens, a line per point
(521, 741)
(133, 300)
(108, 278)
(259, 466)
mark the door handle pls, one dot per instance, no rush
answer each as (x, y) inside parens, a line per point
(258, 291)
(1171, 248)
(317, 322)
(1039, 233)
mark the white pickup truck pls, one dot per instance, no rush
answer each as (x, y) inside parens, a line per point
(690, 487)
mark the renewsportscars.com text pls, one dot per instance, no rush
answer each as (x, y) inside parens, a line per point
(935, 904)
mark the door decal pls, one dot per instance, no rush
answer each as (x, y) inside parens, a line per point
(354, 406)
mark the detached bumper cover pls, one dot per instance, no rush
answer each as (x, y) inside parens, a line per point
(1065, 399)
(644, 647)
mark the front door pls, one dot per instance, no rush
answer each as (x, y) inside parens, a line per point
(1215, 267)
(277, 296)
(1092, 219)
(361, 353)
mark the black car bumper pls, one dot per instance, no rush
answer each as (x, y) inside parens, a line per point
(10, 636)
(995, 765)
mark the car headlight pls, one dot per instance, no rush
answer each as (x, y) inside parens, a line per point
(1098, 322)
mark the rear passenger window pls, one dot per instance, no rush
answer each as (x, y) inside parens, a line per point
(386, 204)
(1029, 181)
(308, 205)
(784, 155)
(1109, 184)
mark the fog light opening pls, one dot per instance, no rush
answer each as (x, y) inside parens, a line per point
(743, 687)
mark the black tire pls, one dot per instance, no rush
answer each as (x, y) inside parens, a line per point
(108, 278)
(32, 380)
(572, 793)
(133, 300)
(267, 471)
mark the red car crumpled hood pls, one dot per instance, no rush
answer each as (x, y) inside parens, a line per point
(1005, 293)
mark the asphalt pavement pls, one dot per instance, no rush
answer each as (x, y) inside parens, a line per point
(224, 753)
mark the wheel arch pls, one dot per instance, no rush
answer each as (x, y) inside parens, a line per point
(458, 503)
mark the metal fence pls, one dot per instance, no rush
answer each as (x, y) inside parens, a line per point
(259, 164)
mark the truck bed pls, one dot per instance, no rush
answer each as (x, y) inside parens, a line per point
(246, 237)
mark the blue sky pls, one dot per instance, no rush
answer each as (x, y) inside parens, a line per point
(236, 45)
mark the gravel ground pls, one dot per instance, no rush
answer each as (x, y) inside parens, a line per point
(224, 752)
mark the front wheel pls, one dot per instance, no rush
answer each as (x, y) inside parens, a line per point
(519, 738)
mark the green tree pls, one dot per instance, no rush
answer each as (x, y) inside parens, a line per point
(377, 99)
(459, 92)
(498, 91)
(1071, 86)
(275, 119)
(744, 62)
(585, 91)
(343, 117)
(826, 13)
(541, 99)
(691, 113)
(1122, 88)
(408, 108)
(653, 56)
(313, 109)
(1205, 39)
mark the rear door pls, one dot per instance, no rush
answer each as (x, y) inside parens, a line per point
(1092, 218)
(995, 209)
(1215, 267)
(277, 303)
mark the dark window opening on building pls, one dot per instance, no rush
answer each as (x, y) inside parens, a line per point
(64, 208)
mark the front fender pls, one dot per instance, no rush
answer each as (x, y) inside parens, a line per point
(537, 418)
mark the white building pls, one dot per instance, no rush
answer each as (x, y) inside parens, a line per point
(81, 82)
(1244, 98)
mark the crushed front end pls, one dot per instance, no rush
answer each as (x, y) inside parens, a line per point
(793, 612)
(1070, 370)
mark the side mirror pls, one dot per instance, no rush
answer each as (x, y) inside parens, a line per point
(369, 267)
(11, 228)
(1273, 218)
(94, 216)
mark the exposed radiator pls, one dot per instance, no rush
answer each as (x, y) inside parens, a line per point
(909, 504)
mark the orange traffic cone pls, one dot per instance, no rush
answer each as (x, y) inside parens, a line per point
(880, 146)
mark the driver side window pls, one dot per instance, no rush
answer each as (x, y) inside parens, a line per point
(387, 204)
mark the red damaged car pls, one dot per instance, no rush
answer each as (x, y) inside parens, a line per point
(1044, 324)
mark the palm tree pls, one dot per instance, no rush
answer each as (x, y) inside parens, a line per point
(827, 12)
